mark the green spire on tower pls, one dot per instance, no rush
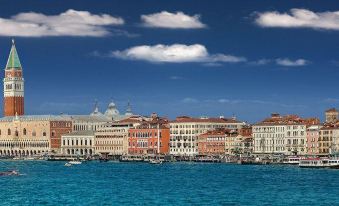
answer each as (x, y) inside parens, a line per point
(13, 61)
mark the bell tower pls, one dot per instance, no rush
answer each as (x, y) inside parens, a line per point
(13, 85)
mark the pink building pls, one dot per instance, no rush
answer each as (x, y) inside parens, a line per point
(312, 136)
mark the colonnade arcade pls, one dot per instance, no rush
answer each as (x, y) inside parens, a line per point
(23, 148)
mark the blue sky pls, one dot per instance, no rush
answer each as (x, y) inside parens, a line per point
(192, 57)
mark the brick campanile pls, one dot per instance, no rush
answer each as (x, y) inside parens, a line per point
(13, 85)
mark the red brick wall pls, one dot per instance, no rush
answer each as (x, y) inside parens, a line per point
(13, 105)
(58, 128)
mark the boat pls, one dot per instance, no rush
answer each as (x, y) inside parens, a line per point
(155, 161)
(74, 162)
(319, 163)
(207, 159)
(29, 158)
(292, 160)
(10, 173)
(131, 158)
(67, 164)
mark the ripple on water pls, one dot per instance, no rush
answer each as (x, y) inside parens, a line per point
(94, 183)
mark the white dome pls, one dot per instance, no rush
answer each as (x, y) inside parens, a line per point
(96, 111)
(111, 110)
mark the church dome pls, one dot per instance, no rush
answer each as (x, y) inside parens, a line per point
(96, 111)
(112, 110)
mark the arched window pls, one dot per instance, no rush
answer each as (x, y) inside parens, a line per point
(53, 134)
(33, 133)
(9, 131)
(44, 134)
(16, 133)
(25, 131)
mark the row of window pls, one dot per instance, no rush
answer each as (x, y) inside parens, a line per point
(24, 144)
(10, 86)
(24, 132)
(144, 134)
(203, 126)
(108, 142)
(143, 144)
(76, 142)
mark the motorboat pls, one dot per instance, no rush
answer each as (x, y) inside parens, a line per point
(75, 162)
(10, 173)
(292, 160)
(319, 163)
(68, 164)
(29, 158)
(155, 161)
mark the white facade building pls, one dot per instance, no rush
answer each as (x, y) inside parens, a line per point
(281, 135)
(78, 143)
(184, 132)
(112, 139)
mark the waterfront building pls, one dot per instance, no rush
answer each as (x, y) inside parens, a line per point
(246, 141)
(328, 139)
(331, 115)
(150, 137)
(281, 135)
(184, 132)
(312, 137)
(13, 85)
(213, 142)
(247, 146)
(78, 143)
(31, 135)
(112, 139)
(223, 141)
(233, 144)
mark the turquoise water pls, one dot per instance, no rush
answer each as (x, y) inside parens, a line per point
(94, 183)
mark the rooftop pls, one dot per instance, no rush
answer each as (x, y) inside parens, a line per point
(80, 133)
(36, 118)
(331, 110)
(291, 119)
(183, 119)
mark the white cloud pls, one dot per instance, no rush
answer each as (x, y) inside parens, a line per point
(291, 63)
(261, 62)
(302, 18)
(331, 100)
(69, 23)
(226, 58)
(169, 20)
(176, 53)
(228, 101)
(175, 78)
(224, 101)
(190, 100)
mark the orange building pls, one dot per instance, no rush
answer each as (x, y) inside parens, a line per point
(151, 137)
(213, 142)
